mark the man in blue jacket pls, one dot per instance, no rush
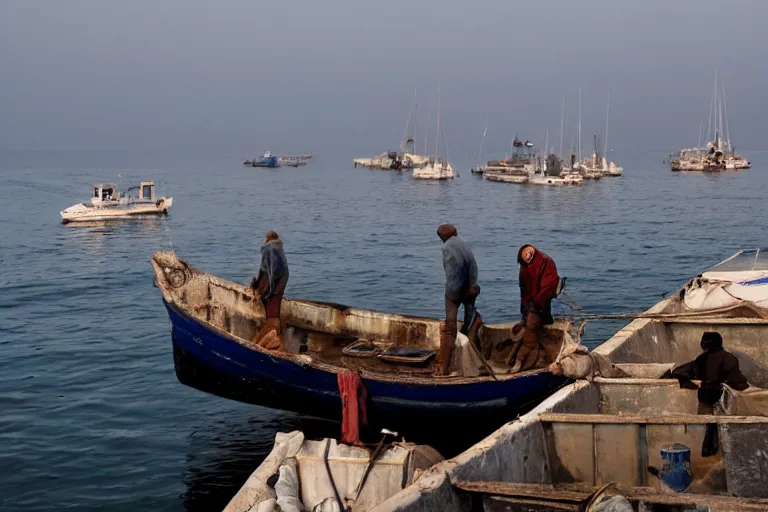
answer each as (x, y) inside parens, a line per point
(460, 288)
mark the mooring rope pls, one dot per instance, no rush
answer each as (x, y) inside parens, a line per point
(580, 314)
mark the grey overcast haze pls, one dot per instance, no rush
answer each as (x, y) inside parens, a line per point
(336, 75)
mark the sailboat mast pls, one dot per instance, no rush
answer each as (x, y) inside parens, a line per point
(711, 109)
(429, 118)
(580, 124)
(562, 125)
(727, 127)
(718, 116)
(482, 139)
(701, 125)
(546, 144)
(405, 132)
(415, 109)
(437, 141)
(607, 113)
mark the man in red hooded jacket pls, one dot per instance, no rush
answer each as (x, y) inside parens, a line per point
(538, 286)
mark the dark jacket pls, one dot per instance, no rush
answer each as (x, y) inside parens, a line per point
(460, 268)
(538, 285)
(714, 368)
(273, 274)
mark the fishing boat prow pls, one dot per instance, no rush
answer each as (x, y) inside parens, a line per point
(213, 322)
(107, 204)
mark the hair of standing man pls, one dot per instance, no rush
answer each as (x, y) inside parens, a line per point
(446, 231)
(271, 235)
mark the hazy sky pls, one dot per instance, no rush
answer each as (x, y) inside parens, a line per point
(338, 75)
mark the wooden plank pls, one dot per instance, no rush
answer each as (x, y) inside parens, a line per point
(506, 504)
(570, 453)
(525, 490)
(616, 454)
(571, 492)
(683, 419)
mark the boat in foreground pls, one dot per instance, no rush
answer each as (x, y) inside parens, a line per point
(213, 322)
(636, 440)
(327, 474)
(107, 204)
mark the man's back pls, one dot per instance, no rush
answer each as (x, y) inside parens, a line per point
(460, 266)
(715, 368)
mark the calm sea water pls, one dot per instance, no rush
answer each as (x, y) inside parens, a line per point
(93, 417)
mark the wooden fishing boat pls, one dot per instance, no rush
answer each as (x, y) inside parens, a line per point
(641, 436)
(213, 322)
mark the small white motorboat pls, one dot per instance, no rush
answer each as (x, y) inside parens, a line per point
(107, 204)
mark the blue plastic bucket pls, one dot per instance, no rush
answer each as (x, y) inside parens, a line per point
(676, 466)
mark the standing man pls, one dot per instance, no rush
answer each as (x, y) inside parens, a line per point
(269, 284)
(538, 286)
(460, 288)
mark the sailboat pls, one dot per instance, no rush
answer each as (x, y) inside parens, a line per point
(598, 165)
(435, 168)
(398, 160)
(718, 154)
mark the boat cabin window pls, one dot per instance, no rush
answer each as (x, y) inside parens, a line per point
(104, 193)
(146, 192)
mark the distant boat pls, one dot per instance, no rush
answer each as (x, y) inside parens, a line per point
(107, 204)
(274, 161)
(398, 160)
(718, 154)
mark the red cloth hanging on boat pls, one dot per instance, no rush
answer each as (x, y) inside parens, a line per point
(353, 396)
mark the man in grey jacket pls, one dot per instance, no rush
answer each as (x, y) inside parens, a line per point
(460, 288)
(270, 287)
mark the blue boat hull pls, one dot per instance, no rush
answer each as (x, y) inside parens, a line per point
(214, 362)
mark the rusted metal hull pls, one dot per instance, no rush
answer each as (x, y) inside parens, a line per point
(209, 360)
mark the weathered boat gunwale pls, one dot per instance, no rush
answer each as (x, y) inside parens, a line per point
(682, 419)
(303, 360)
(308, 361)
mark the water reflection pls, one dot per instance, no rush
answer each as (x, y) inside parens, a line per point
(222, 456)
(92, 235)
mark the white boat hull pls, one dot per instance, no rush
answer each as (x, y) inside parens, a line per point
(435, 171)
(85, 213)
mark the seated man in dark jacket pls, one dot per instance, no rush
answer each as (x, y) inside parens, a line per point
(270, 284)
(460, 288)
(713, 368)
